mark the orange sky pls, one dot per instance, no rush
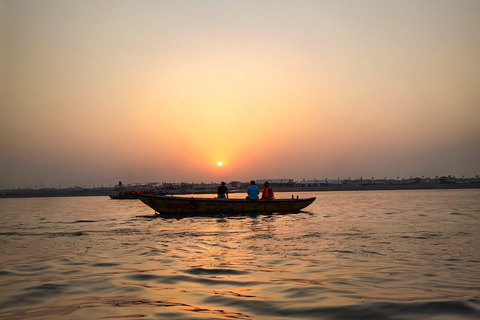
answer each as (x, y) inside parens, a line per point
(94, 92)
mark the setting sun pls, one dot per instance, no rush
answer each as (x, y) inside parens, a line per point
(219, 163)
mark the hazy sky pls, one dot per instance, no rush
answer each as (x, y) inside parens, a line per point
(94, 92)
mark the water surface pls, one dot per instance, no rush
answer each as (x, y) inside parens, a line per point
(350, 255)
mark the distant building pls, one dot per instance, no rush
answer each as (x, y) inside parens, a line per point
(276, 182)
(234, 185)
(318, 183)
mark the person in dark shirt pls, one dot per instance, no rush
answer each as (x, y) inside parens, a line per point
(222, 191)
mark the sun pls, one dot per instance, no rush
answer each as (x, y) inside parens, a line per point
(219, 163)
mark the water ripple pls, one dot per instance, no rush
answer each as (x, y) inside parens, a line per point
(378, 255)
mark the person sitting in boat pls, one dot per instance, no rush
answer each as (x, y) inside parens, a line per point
(267, 193)
(252, 191)
(222, 191)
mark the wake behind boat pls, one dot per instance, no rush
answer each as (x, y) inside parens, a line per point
(188, 207)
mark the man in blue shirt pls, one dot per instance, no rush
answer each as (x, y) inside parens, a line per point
(252, 191)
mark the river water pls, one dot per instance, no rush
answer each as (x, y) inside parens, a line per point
(350, 255)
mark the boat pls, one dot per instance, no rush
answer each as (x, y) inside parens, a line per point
(174, 206)
(132, 195)
(121, 197)
(130, 191)
(124, 196)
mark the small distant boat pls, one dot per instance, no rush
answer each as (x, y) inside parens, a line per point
(129, 196)
(124, 196)
(173, 206)
(130, 191)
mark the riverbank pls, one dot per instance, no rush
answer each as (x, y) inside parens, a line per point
(345, 187)
(379, 187)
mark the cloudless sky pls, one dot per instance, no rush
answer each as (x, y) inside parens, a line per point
(94, 92)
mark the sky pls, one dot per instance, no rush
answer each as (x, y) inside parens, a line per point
(96, 92)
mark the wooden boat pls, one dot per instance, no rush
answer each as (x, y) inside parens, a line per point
(188, 207)
(130, 191)
(129, 196)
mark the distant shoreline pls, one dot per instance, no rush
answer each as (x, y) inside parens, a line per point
(350, 187)
(380, 187)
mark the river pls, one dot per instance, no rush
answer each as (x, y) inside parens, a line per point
(410, 254)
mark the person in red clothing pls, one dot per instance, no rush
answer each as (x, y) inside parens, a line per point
(267, 191)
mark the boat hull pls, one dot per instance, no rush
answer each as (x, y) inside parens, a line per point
(184, 207)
